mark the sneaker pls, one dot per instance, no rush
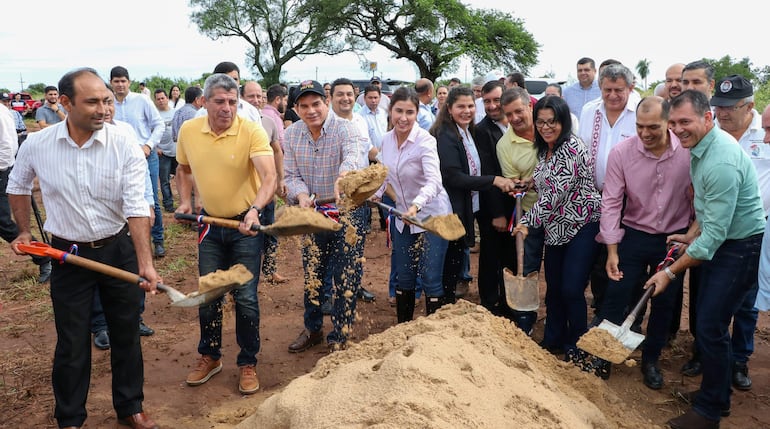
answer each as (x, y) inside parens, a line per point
(45, 272)
(249, 383)
(206, 368)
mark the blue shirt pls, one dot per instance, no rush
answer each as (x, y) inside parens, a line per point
(576, 96)
(143, 116)
(727, 201)
(425, 116)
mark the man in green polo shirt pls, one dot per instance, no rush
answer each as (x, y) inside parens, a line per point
(725, 240)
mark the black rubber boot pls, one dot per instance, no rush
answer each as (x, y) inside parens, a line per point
(433, 303)
(525, 320)
(404, 305)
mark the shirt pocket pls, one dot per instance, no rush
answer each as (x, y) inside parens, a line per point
(105, 184)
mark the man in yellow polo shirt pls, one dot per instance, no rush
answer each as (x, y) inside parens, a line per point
(231, 163)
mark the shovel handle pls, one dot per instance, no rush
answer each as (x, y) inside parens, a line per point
(671, 256)
(216, 221)
(519, 239)
(41, 249)
(398, 213)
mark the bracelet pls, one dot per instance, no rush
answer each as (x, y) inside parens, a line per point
(259, 210)
(669, 273)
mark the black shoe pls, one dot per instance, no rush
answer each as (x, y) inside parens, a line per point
(602, 368)
(144, 330)
(365, 296)
(326, 307)
(651, 376)
(45, 273)
(102, 340)
(689, 399)
(692, 420)
(741, 379)
(692, 368)
(160, 251)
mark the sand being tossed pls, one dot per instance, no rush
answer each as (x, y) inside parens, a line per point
(460, 368)
(358, 185)
(296, 220)
(237, 274)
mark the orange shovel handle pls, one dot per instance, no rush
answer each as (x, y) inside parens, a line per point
(41, 249)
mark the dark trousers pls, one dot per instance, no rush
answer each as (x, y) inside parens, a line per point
(639, 254)
(496, 251)
(270, 241)
(166, 167)
(8, 228)
(727, 279)
(72, 293)
(453, 265)
(567, 268)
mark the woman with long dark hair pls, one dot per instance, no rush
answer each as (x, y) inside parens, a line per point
(461, 176)
(414, 176)
(568, 210)
(175, 98)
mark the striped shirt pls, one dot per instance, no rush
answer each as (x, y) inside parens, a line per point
(88, 191)
(312, 167)
(142, 114)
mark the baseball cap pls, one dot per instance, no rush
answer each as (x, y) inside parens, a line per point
(375, 79)
(310, 87)
(4, 96)
(730, 90)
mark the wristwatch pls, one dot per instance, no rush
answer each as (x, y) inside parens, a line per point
(669, 273)
(259, 210)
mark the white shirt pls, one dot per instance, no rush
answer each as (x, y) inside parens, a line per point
(377, 124)
(142, 114)
(9, 140)
(245, 110)
(364, 145)
(608, 137)
(752, 142)
(480, 112)
(88, 191)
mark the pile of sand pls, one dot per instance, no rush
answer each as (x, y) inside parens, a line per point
(459, 368)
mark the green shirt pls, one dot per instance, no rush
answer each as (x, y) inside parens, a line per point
(518, 157)
(727, 201)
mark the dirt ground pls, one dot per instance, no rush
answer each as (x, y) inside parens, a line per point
(27, 340)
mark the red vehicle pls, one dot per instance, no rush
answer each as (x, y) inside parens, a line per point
(30, 105)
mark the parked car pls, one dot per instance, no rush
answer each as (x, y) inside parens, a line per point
(536, 86)
(363, 83)
(30, 104)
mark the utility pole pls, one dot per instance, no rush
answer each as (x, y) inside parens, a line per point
(21, 82)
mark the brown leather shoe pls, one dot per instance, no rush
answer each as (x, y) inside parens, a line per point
(306, 340)
(206, 368)
(138, 421)
(692, 420)
(248, 383)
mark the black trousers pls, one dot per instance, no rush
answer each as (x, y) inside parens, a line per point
(72, 293)
(497, 250)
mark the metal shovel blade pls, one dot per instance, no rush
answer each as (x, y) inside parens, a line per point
(624, 335)
(195, 299)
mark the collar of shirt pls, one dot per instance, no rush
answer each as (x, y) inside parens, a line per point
(63, 134)
(700, 149)
(233, 130)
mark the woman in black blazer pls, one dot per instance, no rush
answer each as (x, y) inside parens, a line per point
(461, 176)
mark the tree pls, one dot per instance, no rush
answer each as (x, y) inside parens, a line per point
(643, 68)
(434, 34)
(37, 88)
(726, 67)
(276, 31)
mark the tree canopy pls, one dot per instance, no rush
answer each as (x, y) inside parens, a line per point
(433, 34)
(276, 31)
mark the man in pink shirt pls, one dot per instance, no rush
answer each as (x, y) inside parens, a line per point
(650, 172)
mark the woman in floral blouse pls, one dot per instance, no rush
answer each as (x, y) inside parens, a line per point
(568, 209)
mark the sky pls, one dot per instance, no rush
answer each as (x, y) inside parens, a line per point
(155, 37)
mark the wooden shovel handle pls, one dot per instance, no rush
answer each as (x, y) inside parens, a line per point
(216, 221)
(519, 239)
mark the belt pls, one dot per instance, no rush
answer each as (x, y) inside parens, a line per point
(93, 244)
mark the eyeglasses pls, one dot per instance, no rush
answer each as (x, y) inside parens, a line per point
(551, 123)
(731, 108)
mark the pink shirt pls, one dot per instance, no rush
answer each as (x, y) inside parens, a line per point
(657, 190)
(414, 174)
(275, 115)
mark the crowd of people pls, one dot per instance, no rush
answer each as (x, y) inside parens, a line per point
(608, 181)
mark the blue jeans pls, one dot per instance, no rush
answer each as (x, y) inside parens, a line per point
(219, 249)
(533, 250)
(157, 227)
(567, 268)
(331, 264)
(639, 254)
(166, 167)
(466, 273)
(270, 241)
(419, 254)
(726, 280)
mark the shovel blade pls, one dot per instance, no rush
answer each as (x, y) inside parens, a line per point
(628, 338)
(196, 299)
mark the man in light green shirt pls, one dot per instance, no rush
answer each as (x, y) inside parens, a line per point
(725, 238)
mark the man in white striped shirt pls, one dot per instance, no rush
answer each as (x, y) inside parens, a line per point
(92, 179)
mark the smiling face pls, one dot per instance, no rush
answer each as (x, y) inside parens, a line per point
(615, 94)
(674, 80)
(688, 125)
(547, 126)
(492, 104)
(463, 111)
(696, 79)
(519, 117)
(343, 97)
(88, 107)
(403, 115)
(651, 127)
(312, 109)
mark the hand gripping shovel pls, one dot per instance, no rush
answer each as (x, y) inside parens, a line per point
(521, 293)
(622, 341)
(178, 299)
(447, 227)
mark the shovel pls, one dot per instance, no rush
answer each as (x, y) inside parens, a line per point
(521, 293)
(278, 228)
(178, 299)
(625, 340)
(431, 224)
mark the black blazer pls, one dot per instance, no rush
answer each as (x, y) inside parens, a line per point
(457, 180)
(493, 203)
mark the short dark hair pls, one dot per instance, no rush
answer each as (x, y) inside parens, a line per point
(587, 60)
(275, 91)
(372, 88)
(50, 88)
(554, 85)
(456, 79)
(491, 85)
(67, 82)
(518, 79)
(404, 93)
(226, 67)
(191, 93)
(513, 94)
(342, 81)
(609, 62)
(699, 101)
(159, 90)
(701, 64)
(117, 71)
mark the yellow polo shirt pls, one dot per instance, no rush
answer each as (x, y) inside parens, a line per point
(518, 158)
(221, 164)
